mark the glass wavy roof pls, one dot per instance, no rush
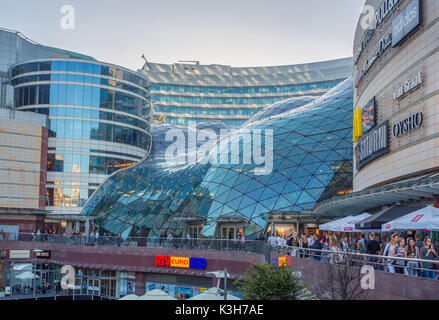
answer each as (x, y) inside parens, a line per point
(312, 162)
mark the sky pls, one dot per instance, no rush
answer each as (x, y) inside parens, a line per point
(231, 32)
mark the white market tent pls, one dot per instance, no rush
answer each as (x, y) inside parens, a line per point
(348, 225)
(329, 225)
(156, 294)
(424, 219)
(130, 297)
(211, 295)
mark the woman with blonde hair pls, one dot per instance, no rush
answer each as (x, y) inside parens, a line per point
(335, 251)
(390, 251)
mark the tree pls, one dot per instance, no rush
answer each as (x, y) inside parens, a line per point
(342, 280)
(270, 282)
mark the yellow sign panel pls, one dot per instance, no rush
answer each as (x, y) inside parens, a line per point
(358, 124)
(180, 262)
(283, 261)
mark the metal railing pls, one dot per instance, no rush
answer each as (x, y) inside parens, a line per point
(202, 244)
(392, 264)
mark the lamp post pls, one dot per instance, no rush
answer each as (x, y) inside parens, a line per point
(225, 284)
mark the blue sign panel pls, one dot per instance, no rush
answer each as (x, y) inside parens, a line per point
(406, 22)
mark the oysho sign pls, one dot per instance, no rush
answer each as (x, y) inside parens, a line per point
(408, 86)
(411, 123)
(406, 22)
(180, 262)
(373, 145)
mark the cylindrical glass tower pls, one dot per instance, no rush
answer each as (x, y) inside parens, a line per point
(99, 116)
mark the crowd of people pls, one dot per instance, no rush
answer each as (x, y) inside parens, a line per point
(334, 248)
(93, 237)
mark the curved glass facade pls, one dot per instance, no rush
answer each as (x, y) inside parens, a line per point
(15, 47)
(99, 118)
(192, 92)
(312, 161)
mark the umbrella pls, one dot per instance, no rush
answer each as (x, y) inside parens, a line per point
(424, 219)
(130, 297)
(27, 275)
(211, 295)
(156, 294)
(329, 225)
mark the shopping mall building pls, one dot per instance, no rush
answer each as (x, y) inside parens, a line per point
(396, 140)
(368, 143)
(99, 115)
(98, 119)
(187, 91)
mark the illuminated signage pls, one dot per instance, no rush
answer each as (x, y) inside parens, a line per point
(411, 123)
(373, 145)
(383, 44)
(19, 254)
(358, 125)
(409, 85)
(180, 262)
(42, 254)
(284, 261)
(384, 10)
(406, 22)
(369, 116)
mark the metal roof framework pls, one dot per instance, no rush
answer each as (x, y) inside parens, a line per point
(420, 188)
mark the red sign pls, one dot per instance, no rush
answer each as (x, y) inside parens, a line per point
(417, 218)
(180, 262)
(388, 226)
(349, 229)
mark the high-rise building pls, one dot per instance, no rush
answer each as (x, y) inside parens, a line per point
(99, 122)
(15, 47)
(23, 165)
(184, 92)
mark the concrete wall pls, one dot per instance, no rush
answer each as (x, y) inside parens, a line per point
(388, 286)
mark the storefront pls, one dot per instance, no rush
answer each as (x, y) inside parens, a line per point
(286, 223)
(396, 98)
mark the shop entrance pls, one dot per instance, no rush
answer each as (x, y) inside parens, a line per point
(233, 232)
(231, 228)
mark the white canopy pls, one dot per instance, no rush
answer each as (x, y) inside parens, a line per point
(424, 219)
(130, 297)
(156, 294)
(211, 295)
(27, 275)
(348, 225)
(329, 225)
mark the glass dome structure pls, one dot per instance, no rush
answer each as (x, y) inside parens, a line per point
(312, 162)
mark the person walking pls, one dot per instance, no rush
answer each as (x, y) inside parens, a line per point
(428, 253)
